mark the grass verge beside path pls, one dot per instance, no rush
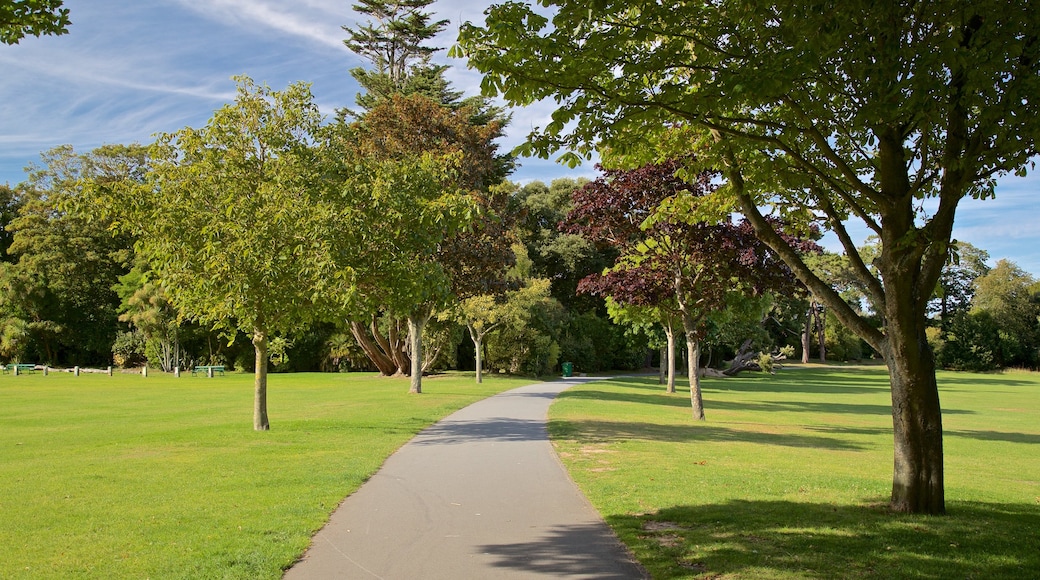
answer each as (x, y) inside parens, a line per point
(132, 477)
(790, 476)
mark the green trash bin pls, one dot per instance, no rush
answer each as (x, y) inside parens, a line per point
(568, 369)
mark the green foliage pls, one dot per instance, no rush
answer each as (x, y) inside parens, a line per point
(129, 349)
(973, 343)
(1001, 328)
(527, 341)
(35, 17)
(58, 292)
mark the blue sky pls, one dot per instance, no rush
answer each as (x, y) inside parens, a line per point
(128, 70)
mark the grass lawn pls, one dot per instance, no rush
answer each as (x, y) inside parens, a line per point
(790, 476)
(132, 477)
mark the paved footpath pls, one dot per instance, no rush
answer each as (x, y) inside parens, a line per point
(479, 495)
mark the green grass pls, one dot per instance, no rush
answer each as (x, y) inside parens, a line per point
(790, 476)
(132, 477)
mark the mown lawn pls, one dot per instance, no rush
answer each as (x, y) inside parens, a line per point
(790, 475)
(132, 477)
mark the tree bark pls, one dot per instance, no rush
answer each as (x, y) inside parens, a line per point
(478, 339)
(693, 350)
(394, 345)
(821, 331)
(416, 322)
(669, 333)
(386, 366)
(807, 335)
(260, 420)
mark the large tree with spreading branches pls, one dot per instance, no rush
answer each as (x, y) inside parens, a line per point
(888, 113)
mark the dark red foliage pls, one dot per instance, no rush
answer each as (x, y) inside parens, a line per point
(696, 264)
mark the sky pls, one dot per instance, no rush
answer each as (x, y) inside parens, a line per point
(130, 69)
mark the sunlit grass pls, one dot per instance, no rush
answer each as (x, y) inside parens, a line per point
(790, 475)
(132, 477)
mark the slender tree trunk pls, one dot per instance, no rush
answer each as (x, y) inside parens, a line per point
(693, 349)
(260, 421)
(478, 339)
(415, 328)
(662, 370)
(807, 335)
(821, 332)
(669, 333)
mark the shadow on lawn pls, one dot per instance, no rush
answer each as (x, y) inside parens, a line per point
(819, 381)
(681, 400)
(752, 539)
(610, 432)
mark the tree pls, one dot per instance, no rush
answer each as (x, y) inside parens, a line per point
(662, 262)
(144, 305)
(1009, 295)
(35, 17)
(240, 225)
(956, 287)
(451, 226)
(834, 110)
(58, 305)
(394, 44)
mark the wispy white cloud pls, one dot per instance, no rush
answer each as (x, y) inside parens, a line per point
(312, 20)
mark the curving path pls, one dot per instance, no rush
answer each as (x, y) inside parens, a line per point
(481, 494)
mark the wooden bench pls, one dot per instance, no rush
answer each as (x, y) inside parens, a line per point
(208, 370)
(19, 368)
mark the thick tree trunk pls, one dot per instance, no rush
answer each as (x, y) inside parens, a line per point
(386, 366)
(669, 333)
(415, 329)
(260, 421)
(394, 345)
(917, 482)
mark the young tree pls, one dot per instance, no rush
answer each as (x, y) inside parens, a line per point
(837, 110)
(239, 223)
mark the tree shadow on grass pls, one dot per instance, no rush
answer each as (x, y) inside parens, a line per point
(610, 432)
(752, 539)
(680, 401)
(819, 381)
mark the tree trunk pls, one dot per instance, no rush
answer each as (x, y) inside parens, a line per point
(394, 345)
(917, 482)
(821, 331)
(661, 369)
(807, 335)
(260, 421)
(386, 366)
(669, 333)
(478, 339)
(416, 322)
(693, 349)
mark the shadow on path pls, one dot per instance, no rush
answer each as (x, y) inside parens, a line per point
(565, 551)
